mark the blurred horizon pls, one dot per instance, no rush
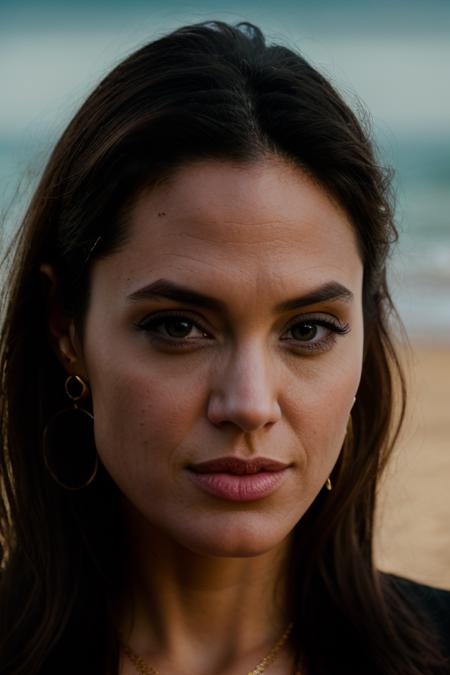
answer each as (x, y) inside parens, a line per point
(390, 58)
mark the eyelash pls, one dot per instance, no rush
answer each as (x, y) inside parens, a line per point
(150, 323)
(333, 325)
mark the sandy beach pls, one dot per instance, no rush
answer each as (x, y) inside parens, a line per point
(413, 532)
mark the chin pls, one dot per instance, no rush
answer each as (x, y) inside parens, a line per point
(235, 541)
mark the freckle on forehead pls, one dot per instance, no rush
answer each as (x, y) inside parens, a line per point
(236, 196)
(215, 223)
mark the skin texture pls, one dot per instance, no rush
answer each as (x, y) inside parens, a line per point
(243, 383)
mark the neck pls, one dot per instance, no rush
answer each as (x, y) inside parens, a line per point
(188, 612)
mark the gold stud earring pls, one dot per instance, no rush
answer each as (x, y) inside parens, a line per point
(328, 484)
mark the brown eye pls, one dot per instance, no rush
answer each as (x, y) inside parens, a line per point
(318, 333)
(177, 328)
(304, 331)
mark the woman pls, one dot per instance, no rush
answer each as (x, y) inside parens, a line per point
(198, 381)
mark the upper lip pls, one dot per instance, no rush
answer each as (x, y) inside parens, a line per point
(238, 466)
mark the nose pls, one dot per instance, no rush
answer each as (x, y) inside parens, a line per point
(244, 392)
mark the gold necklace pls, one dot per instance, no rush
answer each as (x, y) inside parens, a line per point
(144, 669)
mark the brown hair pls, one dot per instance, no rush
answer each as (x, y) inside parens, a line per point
(204, 91)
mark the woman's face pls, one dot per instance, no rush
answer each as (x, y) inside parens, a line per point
(229, 326)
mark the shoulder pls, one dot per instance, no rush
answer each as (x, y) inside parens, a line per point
(427, 601)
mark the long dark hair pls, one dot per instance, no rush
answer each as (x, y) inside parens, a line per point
(204, 91)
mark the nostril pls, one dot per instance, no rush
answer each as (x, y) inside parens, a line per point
(243, 413)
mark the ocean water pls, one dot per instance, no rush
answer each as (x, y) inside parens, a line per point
(420, 266)
(420, 271)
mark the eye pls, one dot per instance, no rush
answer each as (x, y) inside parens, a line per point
(175, 328)
(306, 331)
(314, 334)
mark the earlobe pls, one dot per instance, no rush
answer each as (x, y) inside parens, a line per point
(61, 327)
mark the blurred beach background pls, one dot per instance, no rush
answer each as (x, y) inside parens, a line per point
(392, 58)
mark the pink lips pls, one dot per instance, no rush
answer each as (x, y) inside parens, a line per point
(237, 479)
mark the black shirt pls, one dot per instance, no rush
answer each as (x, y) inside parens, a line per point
(431, 602)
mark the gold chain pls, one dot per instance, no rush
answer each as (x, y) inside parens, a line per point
(144, 669)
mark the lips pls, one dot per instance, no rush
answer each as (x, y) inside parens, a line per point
(239, 480)
(237, 466)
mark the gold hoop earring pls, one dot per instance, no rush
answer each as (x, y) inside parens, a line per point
(68, 438)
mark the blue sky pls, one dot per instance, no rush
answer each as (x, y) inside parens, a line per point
(395, 56)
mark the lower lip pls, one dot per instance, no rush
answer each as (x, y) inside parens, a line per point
(239, 488)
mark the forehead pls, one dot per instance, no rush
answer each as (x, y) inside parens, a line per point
(244, 225)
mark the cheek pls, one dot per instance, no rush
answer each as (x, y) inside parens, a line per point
(141, 419)
(318, 404)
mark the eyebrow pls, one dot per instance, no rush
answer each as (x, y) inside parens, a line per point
(163, 288)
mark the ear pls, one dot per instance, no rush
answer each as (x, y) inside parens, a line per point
(61, 327)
